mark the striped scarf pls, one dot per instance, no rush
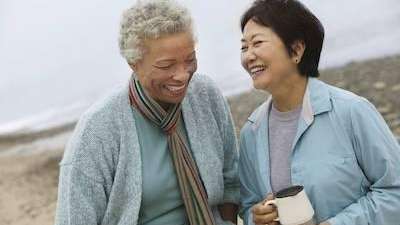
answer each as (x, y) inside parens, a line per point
(193, 192)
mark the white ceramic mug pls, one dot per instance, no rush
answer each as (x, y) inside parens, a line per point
(293, 205)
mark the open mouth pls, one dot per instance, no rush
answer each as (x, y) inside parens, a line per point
(176, 89)
(257, 70)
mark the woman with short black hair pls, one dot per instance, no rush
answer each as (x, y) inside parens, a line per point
(309, 133)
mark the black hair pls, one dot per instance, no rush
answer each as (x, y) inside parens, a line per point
(291, 21)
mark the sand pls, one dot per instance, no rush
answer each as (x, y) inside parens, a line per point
(28, 188)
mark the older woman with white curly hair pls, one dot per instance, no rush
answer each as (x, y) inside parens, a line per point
(161, 150)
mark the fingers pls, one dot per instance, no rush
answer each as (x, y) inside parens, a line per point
(265, 214)
(271, 223)
(270, 196)
(265, 218)
(261, 208)
(274, 223)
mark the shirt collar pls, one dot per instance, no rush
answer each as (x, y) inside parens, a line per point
(316, 100)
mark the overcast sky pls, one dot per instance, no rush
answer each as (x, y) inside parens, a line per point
(56, 52)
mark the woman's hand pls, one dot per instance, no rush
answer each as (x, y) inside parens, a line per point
(229, 211)
(264, 214)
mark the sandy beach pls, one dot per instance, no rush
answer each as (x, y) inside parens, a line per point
(28, 187)
(29, 167)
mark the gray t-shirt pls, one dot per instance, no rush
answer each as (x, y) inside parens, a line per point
(282, 130)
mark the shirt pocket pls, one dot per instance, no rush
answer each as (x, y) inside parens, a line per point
(334, 174)
(345, 168)
(335, 158)
(331, 182)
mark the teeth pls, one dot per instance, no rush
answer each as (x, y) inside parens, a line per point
(175, 88)
(254, 70)
(257, 68)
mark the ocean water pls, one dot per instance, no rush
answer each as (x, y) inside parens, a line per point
(57, 57)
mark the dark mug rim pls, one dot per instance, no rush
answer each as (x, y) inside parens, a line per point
(289, 191)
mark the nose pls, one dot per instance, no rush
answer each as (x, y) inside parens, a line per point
(248, 57)
(181, 74)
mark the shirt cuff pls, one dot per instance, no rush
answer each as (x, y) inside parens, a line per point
(232, 195)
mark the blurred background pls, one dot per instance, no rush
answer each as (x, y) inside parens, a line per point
(58, 57)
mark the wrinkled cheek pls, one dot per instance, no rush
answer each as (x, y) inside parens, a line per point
(157, 87)
(161, 78)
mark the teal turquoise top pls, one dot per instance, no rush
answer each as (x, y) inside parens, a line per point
(161, 197)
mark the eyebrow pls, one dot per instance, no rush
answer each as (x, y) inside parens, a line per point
(252, 37)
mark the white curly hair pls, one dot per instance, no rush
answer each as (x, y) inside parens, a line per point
(150, 19)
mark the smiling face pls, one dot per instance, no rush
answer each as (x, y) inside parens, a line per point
(167, 66)
(265, 57)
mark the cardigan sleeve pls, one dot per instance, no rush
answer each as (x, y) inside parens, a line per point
(83, 179)
(81, 200)
(230, 169)
(222, 115)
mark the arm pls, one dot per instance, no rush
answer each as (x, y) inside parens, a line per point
(378, 155)
(248, 196)
(81, 200)
(253, 210)
(81, 193)
(229, 209)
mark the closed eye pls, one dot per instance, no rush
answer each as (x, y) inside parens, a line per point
(191, 60)
(163, 67)
(257, 43)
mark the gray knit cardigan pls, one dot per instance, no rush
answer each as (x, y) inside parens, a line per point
(100, 173)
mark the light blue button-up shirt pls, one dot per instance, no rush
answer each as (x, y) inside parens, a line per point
(344, 155)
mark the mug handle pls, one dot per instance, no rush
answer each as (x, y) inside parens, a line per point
(272, 202)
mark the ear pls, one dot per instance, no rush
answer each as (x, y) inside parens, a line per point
(298, 48)
(133, 66)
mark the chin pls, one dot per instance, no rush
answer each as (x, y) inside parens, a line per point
(173, 100)
(260, 86)
(262, 83)
(167, 98)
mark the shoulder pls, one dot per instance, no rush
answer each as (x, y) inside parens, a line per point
(95, 140)
(344, 100)
(203, 92)
(340, 94)
(107, 113)
(203, 85)
(350, 109)
(102, 123)
(99, 129)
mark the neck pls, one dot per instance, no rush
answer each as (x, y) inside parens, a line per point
(290, 94)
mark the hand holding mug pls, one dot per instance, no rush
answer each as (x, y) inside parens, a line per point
(293, 206)
(264, 213)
